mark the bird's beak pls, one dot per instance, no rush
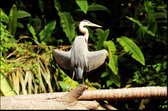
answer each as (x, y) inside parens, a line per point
(94, 25)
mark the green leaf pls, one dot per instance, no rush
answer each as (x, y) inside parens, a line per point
(12, 26)
(97, 7)
(115, 79)
(57, 5)
(111, 78)
(65, 83)
(113, 59)
(149, 8)
(67, 24)
(4, 17)
(109, 83)
(33, 32)
(102, 37)
(20, 25)
(83, 4)
(6, 88)
(45, 34)
(142, 27)
(22, 14)
(130, 47)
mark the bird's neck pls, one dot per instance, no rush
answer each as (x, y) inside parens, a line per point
(85, 31)
(86, 34)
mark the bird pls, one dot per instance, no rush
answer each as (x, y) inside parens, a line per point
(79, 59)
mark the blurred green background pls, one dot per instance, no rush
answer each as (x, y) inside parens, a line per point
(133, 31)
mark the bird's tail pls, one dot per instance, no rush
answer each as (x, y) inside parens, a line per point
(79, 72)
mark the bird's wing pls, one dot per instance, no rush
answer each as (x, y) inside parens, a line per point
(96, 59)
(62, 58)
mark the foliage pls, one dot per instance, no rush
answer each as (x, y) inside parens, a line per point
(134, 33)
(25, 65)
(12, 19)
(6, 88)
(113, 64)
(131, 48)
(83, 4)
(43, 34)
(67, 24)
(142, 28)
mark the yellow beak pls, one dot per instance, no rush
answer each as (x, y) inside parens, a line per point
(94, 25)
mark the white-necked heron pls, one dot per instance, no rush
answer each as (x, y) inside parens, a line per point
(79, 58)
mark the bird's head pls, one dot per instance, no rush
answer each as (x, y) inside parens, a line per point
(88, 23)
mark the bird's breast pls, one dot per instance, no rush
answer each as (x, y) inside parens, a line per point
(79, 52)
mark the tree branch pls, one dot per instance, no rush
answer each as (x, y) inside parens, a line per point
(151, 92)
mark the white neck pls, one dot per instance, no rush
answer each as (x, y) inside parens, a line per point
(84, 30)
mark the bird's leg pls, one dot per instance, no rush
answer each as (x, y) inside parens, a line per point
(80, 81)
(83, 80)
(73, 74)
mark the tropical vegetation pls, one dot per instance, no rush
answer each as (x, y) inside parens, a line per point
(134, 33)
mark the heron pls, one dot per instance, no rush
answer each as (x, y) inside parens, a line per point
(79, 59)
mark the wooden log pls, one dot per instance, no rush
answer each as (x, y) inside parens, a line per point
(77, 99)
(60, 101)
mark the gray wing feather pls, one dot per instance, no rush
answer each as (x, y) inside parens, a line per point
(62, 58)
(96, 59)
